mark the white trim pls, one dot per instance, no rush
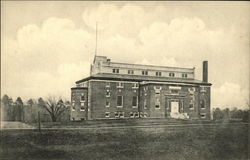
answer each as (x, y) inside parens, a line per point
(182, 84)
(97, 80)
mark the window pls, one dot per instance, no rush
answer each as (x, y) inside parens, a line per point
(191, 104)
(119, 85)
(130, 71)
(203, 89)
(144, 72)
(145, 104)
(157, 106)
(203, 115)
(107, 84)
(82, 103)
(115, 70)
(107, 114)
(184, 75)
(136, 114)
(134, 102)
(158, 74)
(116, 115)
(107, 93)
(119, 101)
(171, 74)
(73, 108)
(82, 108)
(121, 114)
(135, 85)
(203, 104)
(107, 104)
(82, 97)
(145, 115)
(73, 103)
(131, 114)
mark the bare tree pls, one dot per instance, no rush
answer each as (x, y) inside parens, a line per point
(54, 108)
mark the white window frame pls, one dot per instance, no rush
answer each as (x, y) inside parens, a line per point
(131, 115)
(203, 115)
(107, 105)
(171, 74)
(107, 91)
(138, 115)
(135, 85)
(120, 84)
(82, 109)
(106, 114)
(130, 71)
(117, 116)
(122, 115)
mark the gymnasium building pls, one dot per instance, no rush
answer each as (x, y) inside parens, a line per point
(122, 90)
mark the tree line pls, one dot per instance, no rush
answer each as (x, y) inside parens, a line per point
(234, 114)
(51, 109)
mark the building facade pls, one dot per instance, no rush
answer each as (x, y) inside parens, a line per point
(121, 90)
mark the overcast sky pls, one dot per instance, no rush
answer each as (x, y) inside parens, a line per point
(47, 46)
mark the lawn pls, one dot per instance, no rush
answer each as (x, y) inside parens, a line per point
(225, 141)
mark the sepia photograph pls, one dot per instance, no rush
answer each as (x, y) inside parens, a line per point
(127, 80)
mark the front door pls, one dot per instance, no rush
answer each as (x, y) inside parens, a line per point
(174, 107)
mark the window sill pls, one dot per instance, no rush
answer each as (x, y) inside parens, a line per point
(134, 106)
(119, 106)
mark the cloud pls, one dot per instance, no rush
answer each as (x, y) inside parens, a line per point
(230, 95)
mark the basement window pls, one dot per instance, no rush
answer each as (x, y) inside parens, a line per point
(136, 115)
(131, 114)
(116, 115)
(203, 115)
(107, 114)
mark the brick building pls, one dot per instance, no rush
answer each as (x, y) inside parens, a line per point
(121, 90)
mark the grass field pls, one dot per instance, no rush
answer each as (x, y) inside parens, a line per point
(226, 141)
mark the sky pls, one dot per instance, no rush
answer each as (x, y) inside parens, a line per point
(47, 46)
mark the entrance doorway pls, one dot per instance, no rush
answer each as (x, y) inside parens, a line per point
(174, 106)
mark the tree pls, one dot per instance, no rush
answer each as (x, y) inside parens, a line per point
(19, 109)
(53, 107)
(30, 102)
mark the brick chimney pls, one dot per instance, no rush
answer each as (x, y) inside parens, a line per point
(205, 72)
